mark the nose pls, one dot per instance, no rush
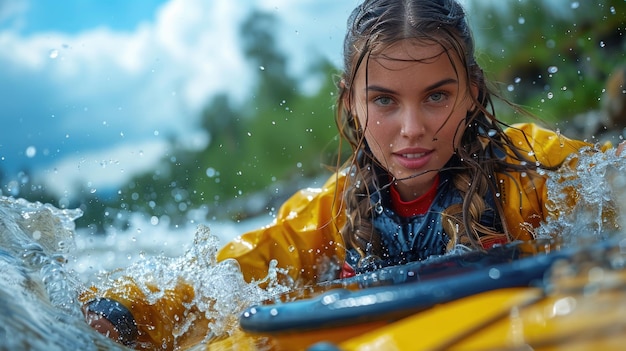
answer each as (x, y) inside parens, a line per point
(412, 125)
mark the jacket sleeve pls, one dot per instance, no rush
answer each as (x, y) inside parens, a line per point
(304, 235)
(524, 195)
(149, 322)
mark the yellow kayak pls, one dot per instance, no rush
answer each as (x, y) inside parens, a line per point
(505, 299)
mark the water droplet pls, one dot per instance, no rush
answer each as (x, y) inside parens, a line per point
(31, 151)
(575, 4)
(54, 53)
(210, 172)
(494, 273)
(553, 69)
(262, 68)
(564, 306)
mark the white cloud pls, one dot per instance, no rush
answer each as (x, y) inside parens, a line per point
(103, 169)
(101, 93)
(311, 27)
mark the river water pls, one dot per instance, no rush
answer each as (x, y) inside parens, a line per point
(45, 263)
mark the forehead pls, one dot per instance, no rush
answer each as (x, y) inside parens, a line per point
(410, 59)
(408, 50)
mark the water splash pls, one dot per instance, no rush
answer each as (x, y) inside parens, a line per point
(38, 306)
(586, 198)
(220, 291)
(41, 235)
(39, 309)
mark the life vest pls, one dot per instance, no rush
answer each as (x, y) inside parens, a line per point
(414, 238)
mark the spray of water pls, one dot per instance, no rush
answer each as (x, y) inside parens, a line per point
(220, 293)
(38, 305)
(586, 198)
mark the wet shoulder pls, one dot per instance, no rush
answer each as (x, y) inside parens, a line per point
(546, 146)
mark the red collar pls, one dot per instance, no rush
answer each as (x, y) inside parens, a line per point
(415, 207)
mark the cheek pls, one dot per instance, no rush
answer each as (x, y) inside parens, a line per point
(453, 130)
(378, 138)
(371, 135)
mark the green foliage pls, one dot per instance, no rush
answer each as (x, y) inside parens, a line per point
(279, 133)
(282, 141)
(553, 59)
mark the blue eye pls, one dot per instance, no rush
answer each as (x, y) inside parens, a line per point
(437, 97)
(383, 100)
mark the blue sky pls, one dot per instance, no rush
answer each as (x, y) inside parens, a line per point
(72, 16)
(92, 90)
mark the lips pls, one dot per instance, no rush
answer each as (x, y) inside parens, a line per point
(414, 158)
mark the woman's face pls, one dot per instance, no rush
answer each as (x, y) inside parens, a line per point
(412, 107)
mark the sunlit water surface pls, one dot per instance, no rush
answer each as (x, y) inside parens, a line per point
(44, 263)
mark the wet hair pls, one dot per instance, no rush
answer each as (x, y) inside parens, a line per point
(374, 26)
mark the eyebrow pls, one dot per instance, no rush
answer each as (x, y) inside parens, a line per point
(436, 85)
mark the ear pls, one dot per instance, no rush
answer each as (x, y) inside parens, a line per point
(342, 84)
(343, 90)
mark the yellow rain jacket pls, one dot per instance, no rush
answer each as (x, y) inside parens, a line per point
(307, 227)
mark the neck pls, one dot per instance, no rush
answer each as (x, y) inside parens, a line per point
(413, 189)
(417, 205)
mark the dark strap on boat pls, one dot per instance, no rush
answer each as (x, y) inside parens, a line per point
(119, 316)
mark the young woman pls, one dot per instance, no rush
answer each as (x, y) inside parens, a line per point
(432, 169)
